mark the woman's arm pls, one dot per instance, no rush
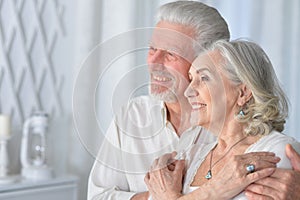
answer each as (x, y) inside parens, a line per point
(234, 178)
(165, 183)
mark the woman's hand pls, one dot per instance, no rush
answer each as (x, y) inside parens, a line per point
(164, 181)
(233, 178)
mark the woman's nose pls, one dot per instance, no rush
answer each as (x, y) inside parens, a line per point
(190, 91)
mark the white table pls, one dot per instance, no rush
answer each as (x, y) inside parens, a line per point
(60, 188)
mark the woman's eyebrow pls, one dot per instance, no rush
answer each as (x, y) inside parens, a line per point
(198, 70)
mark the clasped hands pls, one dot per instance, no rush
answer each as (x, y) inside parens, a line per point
(165, 178)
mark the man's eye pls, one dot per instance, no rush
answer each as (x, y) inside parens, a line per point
(152, 50)
(171, 56)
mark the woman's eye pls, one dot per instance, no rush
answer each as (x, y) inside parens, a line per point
(204, 78)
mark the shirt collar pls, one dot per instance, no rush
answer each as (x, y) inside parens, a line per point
(164, 112)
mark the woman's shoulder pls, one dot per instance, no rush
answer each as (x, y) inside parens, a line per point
(276, 142)
(274, 139)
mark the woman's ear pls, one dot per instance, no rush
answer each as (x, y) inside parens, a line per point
(245, 94)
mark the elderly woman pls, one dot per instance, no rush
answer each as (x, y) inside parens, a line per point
(236, 96)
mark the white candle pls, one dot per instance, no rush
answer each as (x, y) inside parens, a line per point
(4, 127)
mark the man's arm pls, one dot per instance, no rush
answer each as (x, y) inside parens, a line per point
(107, 180)
(106, 183)
(283, 184)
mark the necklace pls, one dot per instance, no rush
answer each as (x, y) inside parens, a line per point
(209, 173)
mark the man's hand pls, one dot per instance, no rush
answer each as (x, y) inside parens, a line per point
(293, 156)
(164, 181)
(283, 184)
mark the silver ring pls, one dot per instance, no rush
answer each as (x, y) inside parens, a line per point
(250, 168)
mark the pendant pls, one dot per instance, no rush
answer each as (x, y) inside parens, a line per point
(208, 175)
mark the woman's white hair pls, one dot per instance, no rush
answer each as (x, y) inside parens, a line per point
(246, 62)
(207, 23)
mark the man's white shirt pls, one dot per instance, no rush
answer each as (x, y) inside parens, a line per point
(138, 135)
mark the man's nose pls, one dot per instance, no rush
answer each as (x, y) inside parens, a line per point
(157, 56)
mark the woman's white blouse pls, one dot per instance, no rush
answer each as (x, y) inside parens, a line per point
(274, 142)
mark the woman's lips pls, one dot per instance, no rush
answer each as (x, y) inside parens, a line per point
(197, 105)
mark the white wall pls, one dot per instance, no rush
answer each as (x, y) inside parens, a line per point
(36, 72)
(36, 67)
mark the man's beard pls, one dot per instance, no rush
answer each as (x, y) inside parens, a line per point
(167, 96)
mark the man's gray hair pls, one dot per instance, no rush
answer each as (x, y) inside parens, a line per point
(208, 24)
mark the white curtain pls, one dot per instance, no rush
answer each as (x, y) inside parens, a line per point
(274, 24)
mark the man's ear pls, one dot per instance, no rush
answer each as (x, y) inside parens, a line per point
(245, 94)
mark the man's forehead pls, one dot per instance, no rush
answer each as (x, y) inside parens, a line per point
(173, 41)
(170, 38)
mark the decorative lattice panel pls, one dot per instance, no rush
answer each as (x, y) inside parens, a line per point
(29, 78)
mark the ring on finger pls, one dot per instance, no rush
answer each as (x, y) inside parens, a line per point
(250, 168)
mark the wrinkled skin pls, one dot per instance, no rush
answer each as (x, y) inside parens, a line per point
(164, 181)
(282, 184)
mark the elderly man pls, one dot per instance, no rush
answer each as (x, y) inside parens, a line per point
(150, 126)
